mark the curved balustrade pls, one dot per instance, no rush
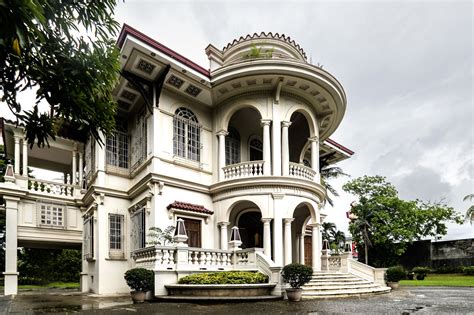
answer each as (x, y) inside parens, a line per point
(154, 256)
(48, 187)
(209, 257)
(244, 169)
(301, 171)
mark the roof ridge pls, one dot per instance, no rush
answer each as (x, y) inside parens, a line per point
(262, 34)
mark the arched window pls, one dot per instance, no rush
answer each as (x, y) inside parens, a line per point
(256, 149)
(186, 134)
(232, 147)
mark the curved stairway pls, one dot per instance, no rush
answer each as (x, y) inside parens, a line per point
(332, 285)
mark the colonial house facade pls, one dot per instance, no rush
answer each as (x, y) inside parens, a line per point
(236, 148)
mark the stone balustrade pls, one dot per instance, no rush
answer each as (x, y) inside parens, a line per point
(244, 169)
(51, 188)
(301, 171)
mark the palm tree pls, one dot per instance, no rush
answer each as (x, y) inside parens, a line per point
(339, 238)
(328, 173)
(329, 229)
(470, 211)
(361, 225)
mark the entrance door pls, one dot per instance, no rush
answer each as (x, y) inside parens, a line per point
(308, 251)
(193, 229)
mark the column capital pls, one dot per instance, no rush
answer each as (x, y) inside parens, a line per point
(314, 139)
(266, 220)
(278, 195)
(286, 124)
(265, 122)
(223, 224)
(288, 220)
(17, 138)
(222, 132)
(315, 225)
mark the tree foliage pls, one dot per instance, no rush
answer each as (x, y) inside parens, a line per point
(47, 45)
(470, 211)
(329, 173)
(381, 218)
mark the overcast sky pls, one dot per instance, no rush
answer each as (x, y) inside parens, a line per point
(407, 69)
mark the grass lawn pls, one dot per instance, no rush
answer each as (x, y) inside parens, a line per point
(444, 280)
(52, 285)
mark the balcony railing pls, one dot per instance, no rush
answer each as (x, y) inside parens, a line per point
(244, 169)
(50, 188)
(301, 171)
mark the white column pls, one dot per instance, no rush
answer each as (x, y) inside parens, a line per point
(11, 274)
(221, 153)
(276, 133)
(25, 158)
(266, 147)
(316, 247)
(224, 241)
(288, 247)
(277, 229)
(315, 156)
(302, 249)
(285, 151)
(74, 168)
(17, 154)
(81, 168)
(267, 238)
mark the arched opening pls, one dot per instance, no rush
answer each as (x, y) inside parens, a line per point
(247, 216)
(298, 134)
(244, 141)
(301, 235)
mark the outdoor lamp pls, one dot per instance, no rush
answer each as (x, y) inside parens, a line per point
(235, 240)
(347, 248)
(325, 245)
(180, 236)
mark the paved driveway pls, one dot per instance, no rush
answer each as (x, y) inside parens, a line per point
(428, 300)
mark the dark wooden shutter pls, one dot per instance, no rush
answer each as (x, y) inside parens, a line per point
(193, 229)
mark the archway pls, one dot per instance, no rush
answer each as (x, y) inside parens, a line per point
(298, 134)
(301, 235)
(247, 216)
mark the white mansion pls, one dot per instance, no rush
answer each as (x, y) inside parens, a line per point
(238, 145)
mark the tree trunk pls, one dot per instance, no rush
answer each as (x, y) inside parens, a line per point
(366, 254)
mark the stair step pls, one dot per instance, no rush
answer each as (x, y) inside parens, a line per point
(330, 279)
(329, 283)
(347, 292)
(339, 287)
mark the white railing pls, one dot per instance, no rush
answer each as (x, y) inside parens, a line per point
(209, 257)
(244, 169)
(376, 275)
(334, 263)
(301, 171)
(48, 187)
(154, 256)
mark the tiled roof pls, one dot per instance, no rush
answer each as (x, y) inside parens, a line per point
(189, 207)
(340, 146)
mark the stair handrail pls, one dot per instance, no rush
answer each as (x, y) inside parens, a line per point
(372, 274)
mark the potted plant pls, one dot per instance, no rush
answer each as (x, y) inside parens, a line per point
(421, 272)
(140, 280)
(394, 275)
(296, 275)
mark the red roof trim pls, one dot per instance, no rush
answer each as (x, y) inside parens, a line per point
(128, 30)
(340, 146)
(189, 207)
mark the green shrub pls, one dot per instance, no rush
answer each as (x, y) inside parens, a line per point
(297, 274)
(140, 279)
(225, 277)
(449, 269)
(395, 274)
(469, 270)
(421, 272)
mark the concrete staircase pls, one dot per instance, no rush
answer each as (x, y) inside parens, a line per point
(335, 285)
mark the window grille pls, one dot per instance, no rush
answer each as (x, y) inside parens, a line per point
(116, 235)
(256, 150)
(138, 229)
(139, 139)
(186, 135)
(89, 157)
(51, 214)
(117, 150)
(232, 147)
(89, 238)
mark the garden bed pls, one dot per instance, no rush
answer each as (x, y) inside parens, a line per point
(220, 290)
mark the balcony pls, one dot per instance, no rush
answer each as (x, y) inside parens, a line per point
(243, 170)
(51, 188)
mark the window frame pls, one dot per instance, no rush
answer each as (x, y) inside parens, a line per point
(59, 214)
(116, 252)
(140, 241)
(232, 147)
(186, 135)
(88, 226)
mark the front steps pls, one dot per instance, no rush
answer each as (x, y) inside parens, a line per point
(336, 285)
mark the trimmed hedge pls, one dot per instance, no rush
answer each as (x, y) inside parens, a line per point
(296, 274)
(421, 272)
(225, 277)
(468, 270)
(140, 279)
(395, 274)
